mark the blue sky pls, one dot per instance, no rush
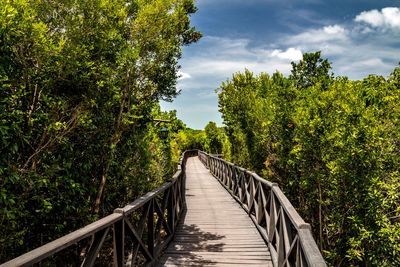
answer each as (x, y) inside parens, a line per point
(359, 37)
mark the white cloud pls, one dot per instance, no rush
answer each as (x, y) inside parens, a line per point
(372, 62)
(388, 17)
(291, 53)
(183, 75)
(325, 34)
(334, 29)
(363, 66)
(373, 17)
(332, 40)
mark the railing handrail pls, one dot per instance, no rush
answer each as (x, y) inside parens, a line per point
(278, 235)
(49, 249)
(176, 205)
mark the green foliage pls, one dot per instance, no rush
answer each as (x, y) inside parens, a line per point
(213, 139)
(80, 85)
(311, 70)
(333, 148)
(187, 139)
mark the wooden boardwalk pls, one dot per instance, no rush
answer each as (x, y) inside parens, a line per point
(215, 231)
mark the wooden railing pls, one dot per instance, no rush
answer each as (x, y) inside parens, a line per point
(136, 234)
(289, 238)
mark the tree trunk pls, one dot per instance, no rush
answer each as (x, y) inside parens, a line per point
(101, 187)
(113, 142)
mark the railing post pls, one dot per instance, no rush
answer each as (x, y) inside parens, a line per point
(182, 180)
(171, 210)
(119, 242)
(150, 228)
(234, 180)
(272, 213)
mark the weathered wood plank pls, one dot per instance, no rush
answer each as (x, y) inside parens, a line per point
(215, 231)
(210, 262)
(219, 264)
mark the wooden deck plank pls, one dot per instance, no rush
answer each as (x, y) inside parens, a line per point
(215, 231)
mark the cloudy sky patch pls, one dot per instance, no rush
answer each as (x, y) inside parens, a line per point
(291, 53)
(183, 75)
(388, 17)
(358, 38)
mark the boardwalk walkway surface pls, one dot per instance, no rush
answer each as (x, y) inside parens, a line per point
(215, 231)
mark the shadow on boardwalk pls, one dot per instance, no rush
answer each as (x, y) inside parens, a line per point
(188, 240)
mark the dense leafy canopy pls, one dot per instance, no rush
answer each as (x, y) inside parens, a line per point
(80, 83)
(333, 145)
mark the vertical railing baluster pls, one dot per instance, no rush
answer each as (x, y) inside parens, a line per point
(272, 215)
(119, 243)
(183, 186)
(280, 245)
(298, 259)
(171, 210)
(235, 181)
(150, 228)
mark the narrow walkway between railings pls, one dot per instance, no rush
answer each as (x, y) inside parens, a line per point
(215, 231)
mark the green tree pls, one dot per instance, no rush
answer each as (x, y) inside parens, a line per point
(214, 143)
(312, 69)
(333, 148)
(80, 85)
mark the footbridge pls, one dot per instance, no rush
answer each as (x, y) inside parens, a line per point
(211, 213)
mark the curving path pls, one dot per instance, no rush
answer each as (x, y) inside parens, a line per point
(215, 231)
